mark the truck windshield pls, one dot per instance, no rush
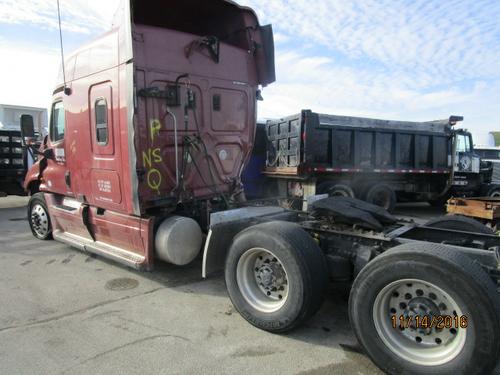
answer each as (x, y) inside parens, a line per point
(489, 154)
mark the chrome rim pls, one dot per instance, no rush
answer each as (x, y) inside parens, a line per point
(39, 220)
(405, 300)
(262, 280)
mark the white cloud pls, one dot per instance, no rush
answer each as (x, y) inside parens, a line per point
(79, 16)
(418, 60)
(415, 60)
(27, 73)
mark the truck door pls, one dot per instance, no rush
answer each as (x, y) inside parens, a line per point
(56, 174)
(466, 168)
(105, 168)
(465, 160)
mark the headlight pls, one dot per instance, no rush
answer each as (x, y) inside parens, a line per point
(17, 161)
(4, 161)
(4, 139)
(17, 150)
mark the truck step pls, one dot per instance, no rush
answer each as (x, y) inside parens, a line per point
(105, 250)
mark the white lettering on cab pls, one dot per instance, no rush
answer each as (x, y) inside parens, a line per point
(104, 186)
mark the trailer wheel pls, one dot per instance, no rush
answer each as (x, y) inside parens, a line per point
(457, 297)
(458, 222)
(276, 275)
(38, 217)
(336, 190)
(494, 192)
(382, 195)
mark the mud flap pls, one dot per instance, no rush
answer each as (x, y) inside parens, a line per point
(86, 221)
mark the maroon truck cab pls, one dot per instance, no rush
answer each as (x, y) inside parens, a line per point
(155, 118)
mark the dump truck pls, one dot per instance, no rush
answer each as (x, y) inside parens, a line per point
(149, 134)
(379, 161)
(15, 156)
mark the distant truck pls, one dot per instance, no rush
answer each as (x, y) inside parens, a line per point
(15, 158)
(491, 155)
(379, 161)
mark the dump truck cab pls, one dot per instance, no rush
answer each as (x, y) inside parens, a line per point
(472, 174)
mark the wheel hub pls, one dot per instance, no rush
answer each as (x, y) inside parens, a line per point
(418, 308)
(262, 280)
(39, 220)
(270, 276)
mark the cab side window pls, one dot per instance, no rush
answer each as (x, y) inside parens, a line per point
(463, 143)
(57, 122)
(101, 121)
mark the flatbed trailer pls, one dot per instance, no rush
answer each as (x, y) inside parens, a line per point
(486, 209)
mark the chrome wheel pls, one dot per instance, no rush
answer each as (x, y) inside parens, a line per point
(395, 313)
(262, 280)
(39, 220)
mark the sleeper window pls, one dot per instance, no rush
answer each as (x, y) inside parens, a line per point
(101, 122)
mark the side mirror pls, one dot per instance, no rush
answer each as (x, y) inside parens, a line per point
(27, 127)
(48, 153)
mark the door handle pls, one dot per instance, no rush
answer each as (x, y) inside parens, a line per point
(67, 178)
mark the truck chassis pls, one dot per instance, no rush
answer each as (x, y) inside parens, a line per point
(422, 296)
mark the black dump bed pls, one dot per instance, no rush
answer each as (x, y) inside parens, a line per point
(310, 142)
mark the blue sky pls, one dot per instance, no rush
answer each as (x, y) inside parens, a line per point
(408, 60)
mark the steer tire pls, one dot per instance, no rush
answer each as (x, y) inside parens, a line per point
(305, 270)
(38, 217)
(460, 223)
(336, 190)
(461, 285)
(382, 195)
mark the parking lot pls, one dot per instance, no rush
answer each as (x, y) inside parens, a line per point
(65, 312)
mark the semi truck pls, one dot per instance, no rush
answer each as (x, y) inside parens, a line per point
(15, 157)
(149, 134)
(491, 155)
(379, 161)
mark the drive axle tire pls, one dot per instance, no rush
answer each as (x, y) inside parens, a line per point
(462, 332)
(460, 223)
(276, 275)
(439, 202)
(38, 217)
(382, 195)
(336, 190)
